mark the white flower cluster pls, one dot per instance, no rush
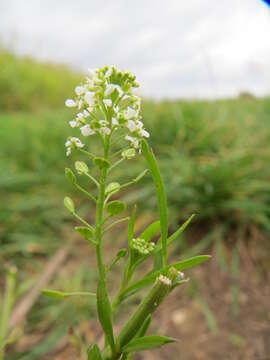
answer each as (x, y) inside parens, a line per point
(142, 246)
(106, 102)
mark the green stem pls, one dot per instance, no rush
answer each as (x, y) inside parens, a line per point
(148, 305)
(6, 309)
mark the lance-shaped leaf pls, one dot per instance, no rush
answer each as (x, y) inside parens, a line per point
(149, 278)
(56, 294)
(105, 312)
(94, 353)
(144, 327)
(161, 196)
(146, 343)
(150, 231)
(170, 240)
(131, 226)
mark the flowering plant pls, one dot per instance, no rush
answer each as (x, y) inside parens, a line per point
(109, 108)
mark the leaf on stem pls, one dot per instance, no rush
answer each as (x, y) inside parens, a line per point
(150, 277)
(105, 312)
(170, 240)
(56, 294)
(161, 196)
(150, 231)
(94, 353)
(147, 342)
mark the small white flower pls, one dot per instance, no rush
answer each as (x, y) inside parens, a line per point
(108, 102)
(164, 280)
(108, 73)
(86, 130)
(73, 123)
(103, 123)
(72, 143)
(130, 113)
(70, 103)
(80, 104)
(131, 125)
(105, 130)
(79, 90)
(109, 89)
(133, 141)
(144, 133)
(80, 116)
(115, 121)
(89, 97)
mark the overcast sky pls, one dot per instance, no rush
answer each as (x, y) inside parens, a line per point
(177, 48)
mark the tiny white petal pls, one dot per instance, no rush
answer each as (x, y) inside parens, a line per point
(70, 103)
(144, 133)
(115, 121)
(79, 90)
(86, 130)
(131, 125)
(73, 123)
(107, 102)
(89, 97)
(109, 89)
(108, 73)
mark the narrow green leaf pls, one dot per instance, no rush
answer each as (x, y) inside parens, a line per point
(70, 176)
(144, 327)
(170, 240)
(105, 312)
(131, 226)
(115, 207)
(161, 196)
(176, 234)
(63, 295)
(150, 231)
(150, 277)
(94, 353)
(147, 342)
(69, 205)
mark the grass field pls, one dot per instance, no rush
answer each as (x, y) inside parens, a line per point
(214, 158)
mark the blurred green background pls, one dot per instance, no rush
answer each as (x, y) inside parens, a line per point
(214, 158)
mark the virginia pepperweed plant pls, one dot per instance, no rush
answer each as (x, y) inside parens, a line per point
(108, 108)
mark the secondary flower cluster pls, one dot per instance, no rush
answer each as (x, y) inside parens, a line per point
(106, 102)
(142, 246)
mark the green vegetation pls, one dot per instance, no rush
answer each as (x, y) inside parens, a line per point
(213, 156)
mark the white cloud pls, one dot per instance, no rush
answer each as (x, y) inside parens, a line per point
(197, 48)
